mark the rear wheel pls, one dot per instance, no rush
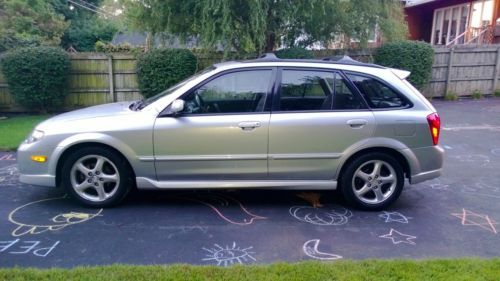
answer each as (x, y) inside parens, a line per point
(97, 177)
(372, 181)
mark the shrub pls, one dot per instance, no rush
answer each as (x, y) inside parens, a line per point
(37, 76)
(159, 69)
(450, 96)
(477, 94)
(294, 53)
(416, 57)
(118, 48)
(497, 93)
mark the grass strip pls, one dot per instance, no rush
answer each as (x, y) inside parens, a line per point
(15, 129)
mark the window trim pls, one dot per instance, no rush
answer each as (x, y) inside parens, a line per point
(277, 92)
(267, 105)
(388, 85)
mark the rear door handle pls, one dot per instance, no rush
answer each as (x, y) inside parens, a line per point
(249, 125)
(357, 123)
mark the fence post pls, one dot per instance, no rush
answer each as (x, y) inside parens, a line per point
(111, 78)
(495, 72)
(448, 74)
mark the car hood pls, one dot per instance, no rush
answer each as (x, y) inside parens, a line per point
(98, 111)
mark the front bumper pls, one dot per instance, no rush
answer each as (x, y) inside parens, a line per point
(31, 172)
(43, 180)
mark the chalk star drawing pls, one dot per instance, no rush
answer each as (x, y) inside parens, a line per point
(470, 218)
(227, 208)
(310, 248)
(398, 237)
(9, 176)
(31, 219)
(229, 255)
(321, 216)
(394, 217)
(312, 198)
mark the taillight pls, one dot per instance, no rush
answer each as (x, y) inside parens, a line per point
(434, 125)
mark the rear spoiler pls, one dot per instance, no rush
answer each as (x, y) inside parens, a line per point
(401, 74)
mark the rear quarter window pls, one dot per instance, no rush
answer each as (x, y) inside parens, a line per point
(376, 93)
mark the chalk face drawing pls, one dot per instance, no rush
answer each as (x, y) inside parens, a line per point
(310, 248)
(9, 176)
(394, 217)
(469, 218)
(42, 216)
(398, 237)
(321, 216)
(227, 208)
(229, 255)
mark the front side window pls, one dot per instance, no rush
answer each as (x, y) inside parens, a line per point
(236, 92)
(376, 93)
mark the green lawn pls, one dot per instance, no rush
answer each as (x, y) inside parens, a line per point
(14, 130)
(450, 269)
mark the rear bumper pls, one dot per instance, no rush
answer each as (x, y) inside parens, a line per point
(425, 176)
(425, 163)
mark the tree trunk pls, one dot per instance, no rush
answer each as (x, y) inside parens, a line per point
(270, 42)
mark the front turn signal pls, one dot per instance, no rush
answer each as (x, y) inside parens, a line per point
(39, 158)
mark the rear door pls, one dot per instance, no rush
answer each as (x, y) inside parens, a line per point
(316, 116)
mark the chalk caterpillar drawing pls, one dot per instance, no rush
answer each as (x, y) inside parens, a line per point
(321, 216)
(398, 237)
(9, 176)
(7, 157)
(480, 220)
(394, 217)
(227, 208)
(229, 255)
(36, 218)
(310, 248)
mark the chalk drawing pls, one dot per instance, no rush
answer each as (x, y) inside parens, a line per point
(39, 217)
(472, 127)
(310, 248)
(312, 198)
(437, 184)
(472, 158)
(20, 247)
(227, 208)
(321, 216)
(9, 176)
(398, 237)
(7, 157)
(394, 217)
(471, 218)
(229, 255)
(495, 151)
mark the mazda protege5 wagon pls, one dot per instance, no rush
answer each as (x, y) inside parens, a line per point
(264, 123)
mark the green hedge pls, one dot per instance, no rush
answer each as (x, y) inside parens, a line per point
(160, 69)
(413, 56)
(294, 53)
(37, 76)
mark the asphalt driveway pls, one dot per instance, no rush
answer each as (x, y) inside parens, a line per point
(456, 215)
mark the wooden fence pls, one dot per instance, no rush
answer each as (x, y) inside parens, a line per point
(97, 78)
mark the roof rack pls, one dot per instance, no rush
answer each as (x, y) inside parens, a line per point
(346, 60)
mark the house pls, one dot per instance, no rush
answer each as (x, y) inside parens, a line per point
(452, 22)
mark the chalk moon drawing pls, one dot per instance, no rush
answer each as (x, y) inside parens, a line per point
(310, 248)
(229, 255)
(43, 215)
(321, 216)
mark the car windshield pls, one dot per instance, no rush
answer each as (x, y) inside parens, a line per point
(172, 89)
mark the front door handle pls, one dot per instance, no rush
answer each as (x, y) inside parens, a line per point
(357, 123)
(249, 125)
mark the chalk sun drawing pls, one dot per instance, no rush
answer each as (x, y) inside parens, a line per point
(394, 217)
(229, 255)
(9, 176)
(398, 237)
(310, 248)
(227, 208)
(469, 218)
(36, 218)
(321, 216)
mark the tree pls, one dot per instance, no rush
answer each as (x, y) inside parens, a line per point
(254, 26)
(29, 23)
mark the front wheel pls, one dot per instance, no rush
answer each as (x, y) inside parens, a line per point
(97, 177)
(372, 181)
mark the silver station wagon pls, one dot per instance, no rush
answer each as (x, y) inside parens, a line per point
(264, 123)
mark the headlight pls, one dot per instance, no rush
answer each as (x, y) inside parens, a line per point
(35, 136)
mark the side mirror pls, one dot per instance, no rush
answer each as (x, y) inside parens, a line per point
(177, 106)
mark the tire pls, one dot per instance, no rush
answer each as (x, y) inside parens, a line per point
(365, 188)
(97, 177)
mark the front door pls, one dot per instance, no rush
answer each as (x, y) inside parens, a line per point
(222, 134)
(316, 116)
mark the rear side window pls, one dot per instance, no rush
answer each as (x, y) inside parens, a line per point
(376, 93)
